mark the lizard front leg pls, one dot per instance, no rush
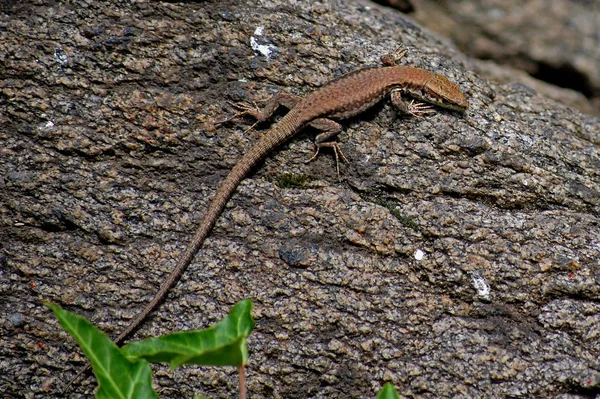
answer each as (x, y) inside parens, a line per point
(392, 59)
(412, 108)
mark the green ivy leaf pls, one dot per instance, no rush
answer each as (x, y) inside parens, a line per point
(118, 378)
(223, 344)
(388, 392)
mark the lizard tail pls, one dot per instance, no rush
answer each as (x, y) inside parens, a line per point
(270, 140)
(225, 191)
(219, 201)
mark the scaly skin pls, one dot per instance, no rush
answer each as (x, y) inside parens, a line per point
(342, 98)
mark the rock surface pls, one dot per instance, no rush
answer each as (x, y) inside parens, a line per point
(456, 257)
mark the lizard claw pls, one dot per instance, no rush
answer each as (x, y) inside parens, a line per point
(337, 151)
(247, 109)
(419, 109)
(244, 109)
(394, 58)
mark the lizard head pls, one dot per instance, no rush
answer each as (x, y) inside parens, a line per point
(440, 91)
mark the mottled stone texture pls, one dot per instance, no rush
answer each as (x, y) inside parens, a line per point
(457, 256)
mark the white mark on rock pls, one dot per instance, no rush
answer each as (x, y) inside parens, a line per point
(481, 286)
(260, 45)
(46, 126)
(60, 56)
(419, 254)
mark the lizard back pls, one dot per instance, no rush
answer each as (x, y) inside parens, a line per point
(351, 94)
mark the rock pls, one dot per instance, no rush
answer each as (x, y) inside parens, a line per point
(111, 150)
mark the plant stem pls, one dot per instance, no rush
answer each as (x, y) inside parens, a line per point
(242, 372)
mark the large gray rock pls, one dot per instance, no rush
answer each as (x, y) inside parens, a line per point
(458, 256)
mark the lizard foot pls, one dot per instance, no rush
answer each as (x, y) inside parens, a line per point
(244, 109)
(419, 109)
(392, 59)
(337, 151)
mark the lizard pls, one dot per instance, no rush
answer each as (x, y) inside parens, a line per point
(341, 98)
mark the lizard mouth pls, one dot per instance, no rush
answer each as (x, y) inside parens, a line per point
(451, 105)
(460, 106)
(442, 102)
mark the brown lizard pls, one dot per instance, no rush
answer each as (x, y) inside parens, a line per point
(342, 98)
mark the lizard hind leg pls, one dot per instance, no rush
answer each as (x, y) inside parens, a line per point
(330, 128)
(286, 100)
